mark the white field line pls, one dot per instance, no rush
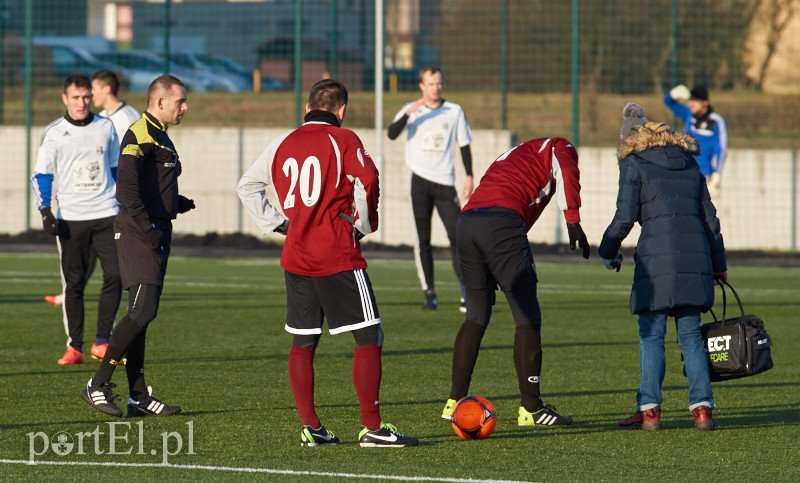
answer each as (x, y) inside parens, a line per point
(233, 469)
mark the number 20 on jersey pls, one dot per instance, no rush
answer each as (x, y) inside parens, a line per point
(306, 180)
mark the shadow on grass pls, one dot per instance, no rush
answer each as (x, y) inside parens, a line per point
(15, 299)
(447, 436)
(244, 358)
(81, 368)
(102, 419)
(754, 417)
(349, 354)
(762, 415)
(509, 347)
(57, 372)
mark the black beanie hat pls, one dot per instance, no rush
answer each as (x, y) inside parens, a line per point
(699, 93)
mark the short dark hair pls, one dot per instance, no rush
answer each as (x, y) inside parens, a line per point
(433, 69)
(327, 95)
(78, 80)
(163, 82)
(109, 78)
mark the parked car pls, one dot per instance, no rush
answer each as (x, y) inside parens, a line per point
(273, 84)
(65, 60)
(51, 63)
(225, 67)
(267, 83)
(87, 43)
(211, 66)
(147, 66)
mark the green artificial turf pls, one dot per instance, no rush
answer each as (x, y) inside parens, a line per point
(219, 350)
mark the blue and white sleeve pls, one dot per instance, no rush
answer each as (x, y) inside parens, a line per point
(42, 185)
(44, 173)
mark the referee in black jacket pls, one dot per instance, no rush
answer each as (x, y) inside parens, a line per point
(147, 190)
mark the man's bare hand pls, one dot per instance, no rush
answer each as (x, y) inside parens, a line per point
(419, 103)
(468, 188)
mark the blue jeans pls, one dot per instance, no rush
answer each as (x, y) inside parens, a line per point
(652, 329)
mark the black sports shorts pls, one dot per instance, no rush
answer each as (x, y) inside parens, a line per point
(345, 299)
(139, 264)
(493, 248)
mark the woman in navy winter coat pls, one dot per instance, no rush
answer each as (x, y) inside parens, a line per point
(679, 254)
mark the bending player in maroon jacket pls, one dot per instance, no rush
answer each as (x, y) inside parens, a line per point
(327, 186)
(493, 250)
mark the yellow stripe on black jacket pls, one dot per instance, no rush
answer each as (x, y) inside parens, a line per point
(147, 176)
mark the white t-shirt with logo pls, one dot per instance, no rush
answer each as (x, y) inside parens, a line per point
(81, 157)
(433, 135)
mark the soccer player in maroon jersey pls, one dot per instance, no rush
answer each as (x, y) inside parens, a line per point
(327, 186)
(493, 250)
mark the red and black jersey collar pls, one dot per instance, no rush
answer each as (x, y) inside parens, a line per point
(318, 115)
(155, 122)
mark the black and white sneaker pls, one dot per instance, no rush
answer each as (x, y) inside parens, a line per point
(101, 398)
(317, 437)
(150, 406)
(385, 437)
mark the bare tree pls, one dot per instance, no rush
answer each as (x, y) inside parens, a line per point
(779, 14)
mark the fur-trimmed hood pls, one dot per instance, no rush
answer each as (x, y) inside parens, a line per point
(653, 135)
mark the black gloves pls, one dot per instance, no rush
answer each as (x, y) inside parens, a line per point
(576, 235)
(154, 237)
(185, 204)
(151, 233)
(49, 221)
(282, 228)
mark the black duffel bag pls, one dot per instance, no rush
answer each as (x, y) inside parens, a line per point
(737, 347)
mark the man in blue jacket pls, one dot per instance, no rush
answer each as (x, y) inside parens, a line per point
(706, 126)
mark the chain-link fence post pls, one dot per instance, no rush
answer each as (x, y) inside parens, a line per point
(298, 60)
(28, 105)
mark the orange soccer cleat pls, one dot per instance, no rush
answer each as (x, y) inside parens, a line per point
(70, 357)
(99, 351)
(54, 299)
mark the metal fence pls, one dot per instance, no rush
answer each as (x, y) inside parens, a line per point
(534, 68)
